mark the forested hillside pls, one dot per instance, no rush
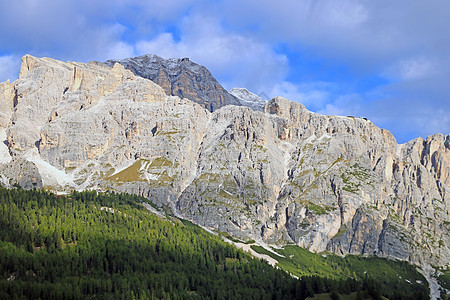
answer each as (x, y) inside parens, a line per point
(108, 246)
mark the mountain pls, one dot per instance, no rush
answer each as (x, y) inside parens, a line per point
(182, 78)
(249, 99)
(281, 176)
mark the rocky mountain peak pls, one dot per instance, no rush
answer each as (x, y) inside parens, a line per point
(180, 77)
(248, 98)
(28, 62)
(284, 108)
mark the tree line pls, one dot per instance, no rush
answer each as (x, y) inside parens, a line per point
(108, 246)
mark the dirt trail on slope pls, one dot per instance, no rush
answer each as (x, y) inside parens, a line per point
(247, 247)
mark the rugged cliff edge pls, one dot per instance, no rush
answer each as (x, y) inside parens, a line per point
(284, 175)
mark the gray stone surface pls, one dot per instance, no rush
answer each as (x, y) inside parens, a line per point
(20, 172)
(249, 99)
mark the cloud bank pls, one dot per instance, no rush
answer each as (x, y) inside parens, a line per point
(385, 60)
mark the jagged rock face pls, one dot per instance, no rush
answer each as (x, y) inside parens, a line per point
(249, 99)
(48, 89)
(284, 175)
(105, 128)
(20, 172)
(7, 97)
(239, 174)
(182, 78)
(325, 183)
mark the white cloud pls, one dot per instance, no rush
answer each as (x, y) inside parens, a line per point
(120, 50)
(163, 45)
(236, 59)
(341, 14)
(108, 44)
(364, 34)
(9, 68)
(412, 69)
(416, 68)
(82, 30)
(345, 105)
(313, 95)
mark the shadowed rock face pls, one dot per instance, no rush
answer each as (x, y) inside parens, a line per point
(182, 78)
(284, 175)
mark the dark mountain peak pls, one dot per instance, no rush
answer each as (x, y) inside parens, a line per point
(180, 77)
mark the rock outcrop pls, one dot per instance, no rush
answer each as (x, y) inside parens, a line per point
(182, 78)
(249, 99)
(7, 101)
(282, 175)
(20, 172)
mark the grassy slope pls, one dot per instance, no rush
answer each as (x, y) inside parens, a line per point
(388, 273)
(444, 280)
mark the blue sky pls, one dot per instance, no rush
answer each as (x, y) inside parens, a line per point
(388, 61)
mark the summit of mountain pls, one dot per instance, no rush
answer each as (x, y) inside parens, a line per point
(180, 77)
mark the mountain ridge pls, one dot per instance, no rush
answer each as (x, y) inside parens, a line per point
(281, 176)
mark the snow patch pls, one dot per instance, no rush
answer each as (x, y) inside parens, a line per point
(150, 176)
(145, 174)
(144, 166)
(249, 99)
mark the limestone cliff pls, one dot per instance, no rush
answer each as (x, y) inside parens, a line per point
(7, 100)
(282, 175)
